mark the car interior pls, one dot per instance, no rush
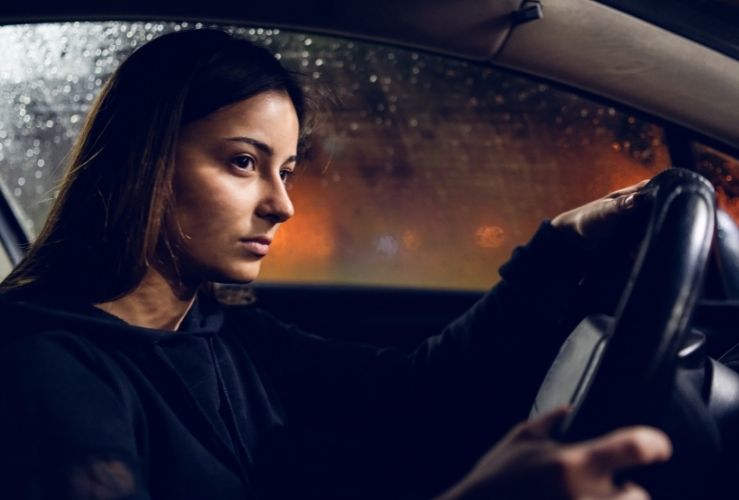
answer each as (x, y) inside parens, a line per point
(563, 101)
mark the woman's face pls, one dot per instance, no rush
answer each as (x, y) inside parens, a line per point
(229, 186)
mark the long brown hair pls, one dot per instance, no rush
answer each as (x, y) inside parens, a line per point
(108, 222)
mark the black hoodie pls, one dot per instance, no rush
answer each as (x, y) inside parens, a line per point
(239, 405)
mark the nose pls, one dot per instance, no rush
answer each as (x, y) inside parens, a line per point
(275, 204)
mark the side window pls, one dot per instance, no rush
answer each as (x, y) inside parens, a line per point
(422, 171)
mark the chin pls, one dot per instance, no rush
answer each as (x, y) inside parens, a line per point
(238, 275)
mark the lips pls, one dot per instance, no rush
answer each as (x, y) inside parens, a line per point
(258, 245)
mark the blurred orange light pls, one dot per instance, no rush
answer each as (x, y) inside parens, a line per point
(411, 240)
(490, 236)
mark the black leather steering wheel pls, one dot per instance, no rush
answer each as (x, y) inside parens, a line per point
(616, 371)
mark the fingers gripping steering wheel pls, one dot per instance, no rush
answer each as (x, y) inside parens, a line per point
(614, 371)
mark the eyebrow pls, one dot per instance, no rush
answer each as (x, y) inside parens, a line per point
(265, 148)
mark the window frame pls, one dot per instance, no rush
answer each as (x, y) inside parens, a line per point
(13, 237)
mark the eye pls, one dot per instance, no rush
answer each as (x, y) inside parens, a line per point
(285, 175)
(243, 162)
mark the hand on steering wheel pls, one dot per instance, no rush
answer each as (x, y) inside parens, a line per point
(595, 221)
(528, 463)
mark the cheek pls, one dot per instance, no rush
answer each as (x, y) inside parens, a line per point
(213, 211)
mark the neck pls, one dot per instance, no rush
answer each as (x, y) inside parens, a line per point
(154, 303)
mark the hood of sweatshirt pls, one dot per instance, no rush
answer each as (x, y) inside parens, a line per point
(22, 315)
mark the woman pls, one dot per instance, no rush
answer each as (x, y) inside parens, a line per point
(122, 377)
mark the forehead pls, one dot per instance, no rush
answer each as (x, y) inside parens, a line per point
(263, 106)
(269, 115)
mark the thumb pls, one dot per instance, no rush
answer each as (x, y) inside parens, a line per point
(543, 426)
(630, 201)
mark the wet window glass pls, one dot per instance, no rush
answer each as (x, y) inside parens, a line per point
(423, 171)
(723, 171)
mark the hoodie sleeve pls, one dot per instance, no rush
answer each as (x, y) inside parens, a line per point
(492, 359)
(65, 429)
(424, 418)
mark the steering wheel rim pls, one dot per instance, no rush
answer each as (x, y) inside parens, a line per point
(622, 372)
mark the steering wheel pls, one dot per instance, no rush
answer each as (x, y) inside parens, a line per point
(618, 371)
